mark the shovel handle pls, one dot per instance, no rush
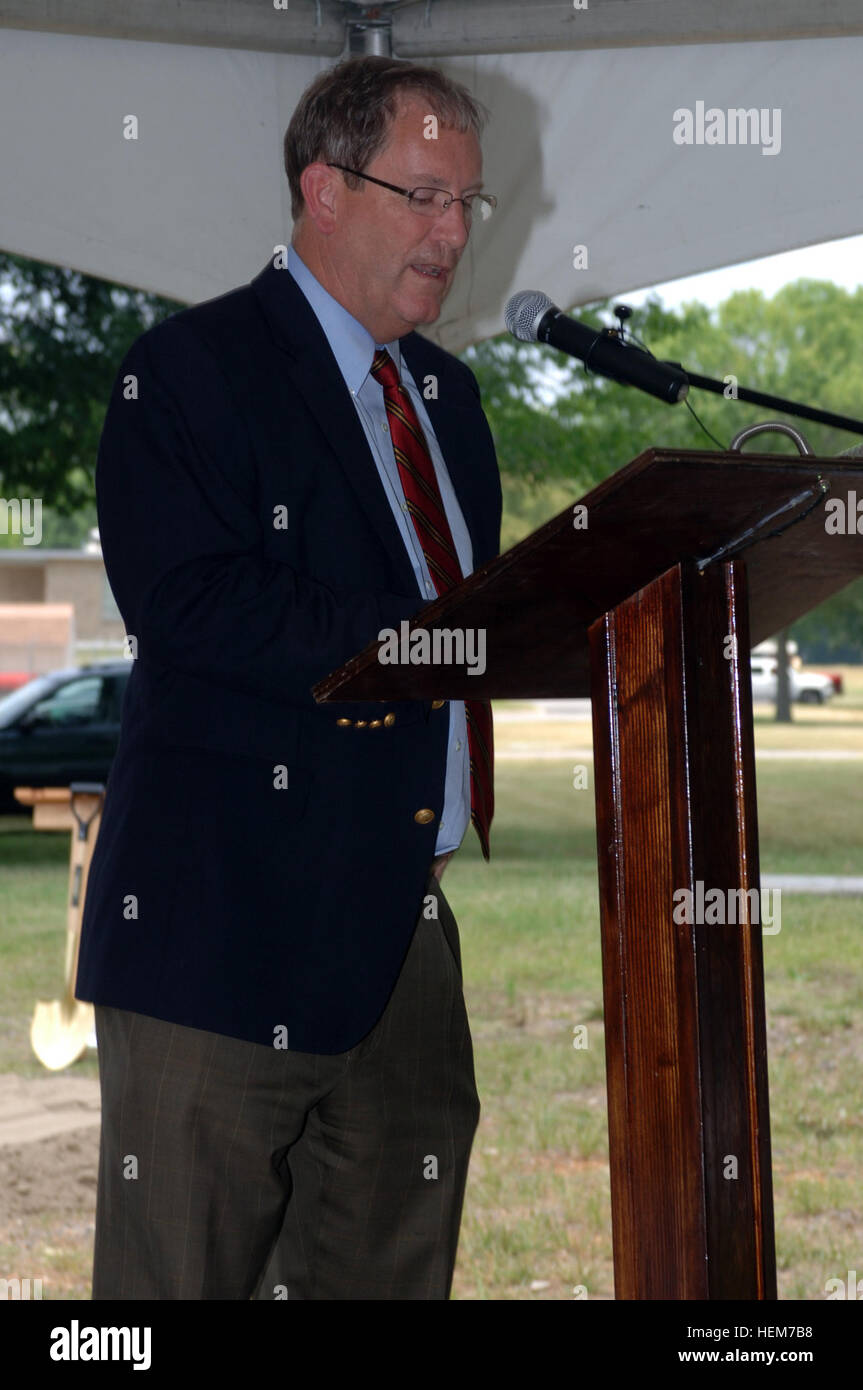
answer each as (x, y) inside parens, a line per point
(81, 854)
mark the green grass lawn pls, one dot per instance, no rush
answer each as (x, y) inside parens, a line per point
(537, 1205)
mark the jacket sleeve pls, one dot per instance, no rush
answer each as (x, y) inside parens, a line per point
(182, 537)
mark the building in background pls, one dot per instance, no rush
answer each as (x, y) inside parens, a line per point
(56, 609)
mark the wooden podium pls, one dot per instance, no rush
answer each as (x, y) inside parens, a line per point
(649, 600)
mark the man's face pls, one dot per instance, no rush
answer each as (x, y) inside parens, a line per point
(393, 267)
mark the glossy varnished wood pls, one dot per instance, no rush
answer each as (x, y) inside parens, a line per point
(684, 1013)
(683, 553)
(541, 596)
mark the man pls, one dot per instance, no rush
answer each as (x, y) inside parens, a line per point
(285, 1059)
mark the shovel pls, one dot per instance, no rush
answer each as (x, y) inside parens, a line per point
(60, 1029)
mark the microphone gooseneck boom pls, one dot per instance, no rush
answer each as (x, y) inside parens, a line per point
(532, 317)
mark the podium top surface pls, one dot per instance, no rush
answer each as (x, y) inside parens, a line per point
(536, 602)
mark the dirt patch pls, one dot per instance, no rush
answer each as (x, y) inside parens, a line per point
(51, 1177)
(38, 1108)
(49, 1156)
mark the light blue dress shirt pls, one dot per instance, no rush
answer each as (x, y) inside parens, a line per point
(354, 349)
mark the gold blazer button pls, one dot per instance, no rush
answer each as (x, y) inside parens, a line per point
(389, 720)
(438, 704)
(424, 816)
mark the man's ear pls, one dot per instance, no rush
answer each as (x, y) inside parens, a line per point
(322, 194)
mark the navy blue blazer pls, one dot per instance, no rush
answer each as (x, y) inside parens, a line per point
(217, 898)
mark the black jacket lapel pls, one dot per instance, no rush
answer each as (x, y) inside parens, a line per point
(311, 365)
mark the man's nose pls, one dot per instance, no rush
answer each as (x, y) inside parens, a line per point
(453, 226)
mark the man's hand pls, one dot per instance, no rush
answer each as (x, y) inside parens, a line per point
(439, 864)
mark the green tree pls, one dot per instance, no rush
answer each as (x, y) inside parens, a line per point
(560, 430)
(62, 336)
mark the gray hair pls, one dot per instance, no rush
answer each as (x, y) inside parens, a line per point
(344, 116)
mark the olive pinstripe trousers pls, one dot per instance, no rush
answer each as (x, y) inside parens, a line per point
(229, 1170)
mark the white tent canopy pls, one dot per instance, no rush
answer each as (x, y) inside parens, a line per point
(580, 149)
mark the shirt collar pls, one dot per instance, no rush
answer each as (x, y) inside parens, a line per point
(352, 345)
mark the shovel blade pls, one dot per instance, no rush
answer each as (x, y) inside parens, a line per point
(58, 1034)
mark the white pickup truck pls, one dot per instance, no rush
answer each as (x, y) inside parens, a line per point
(808, 687)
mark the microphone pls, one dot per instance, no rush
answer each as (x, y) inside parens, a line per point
(531, 317)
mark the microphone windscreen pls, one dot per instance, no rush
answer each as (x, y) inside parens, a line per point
(523, 313)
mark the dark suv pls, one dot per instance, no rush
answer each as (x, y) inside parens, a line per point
(60, 728)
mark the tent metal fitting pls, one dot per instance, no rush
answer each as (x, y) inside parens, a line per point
(369, 28)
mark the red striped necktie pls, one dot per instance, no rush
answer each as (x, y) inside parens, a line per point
(424, 503)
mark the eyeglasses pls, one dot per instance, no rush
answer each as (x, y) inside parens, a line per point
(431, 202)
